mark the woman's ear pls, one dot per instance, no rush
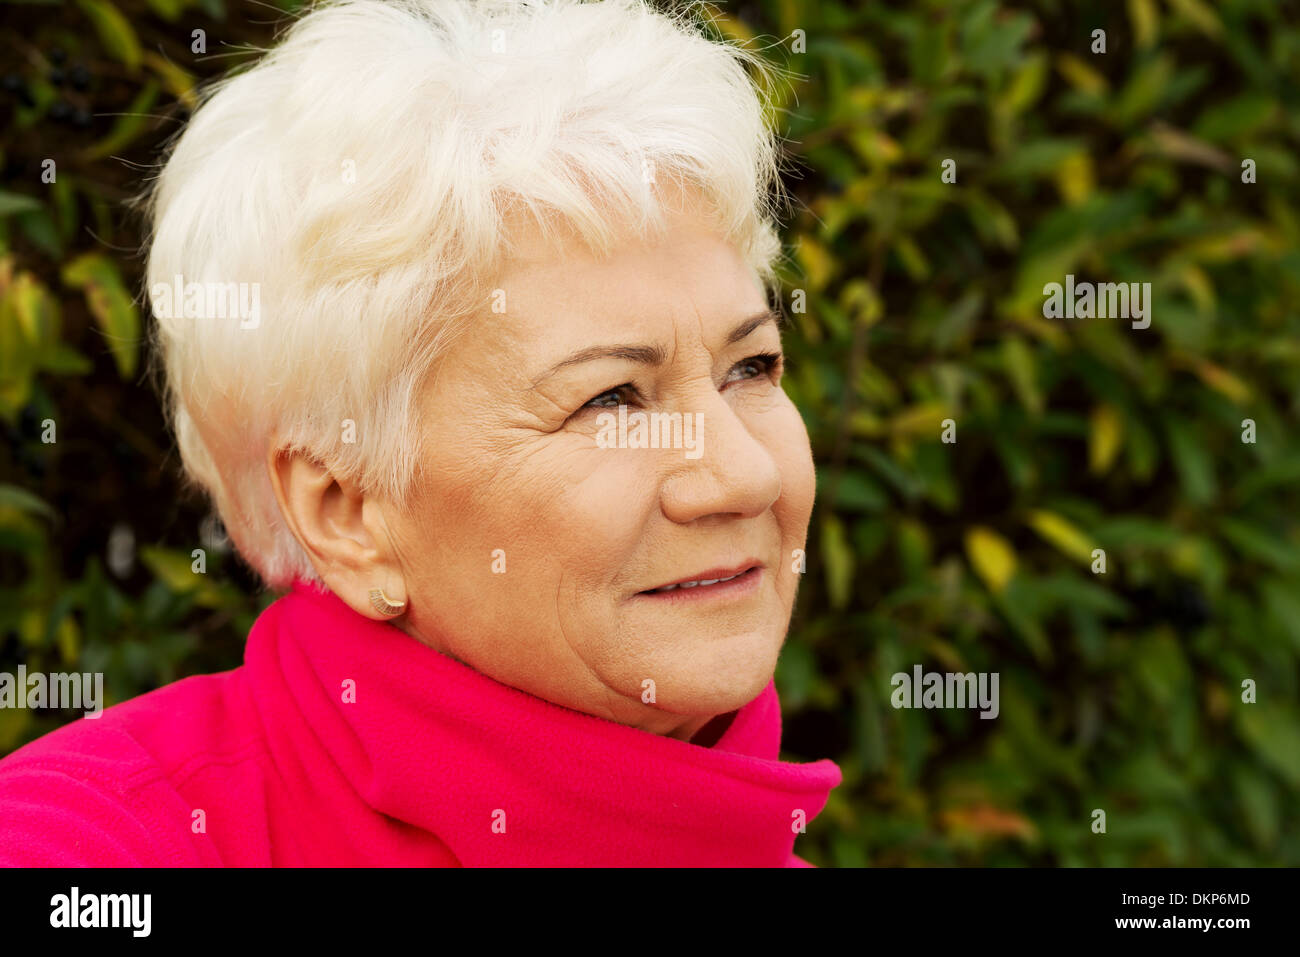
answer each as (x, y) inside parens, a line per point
(341, 529)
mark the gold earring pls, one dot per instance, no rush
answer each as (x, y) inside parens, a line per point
(384, 605)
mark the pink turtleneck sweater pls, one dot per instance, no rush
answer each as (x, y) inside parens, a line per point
(342, 741)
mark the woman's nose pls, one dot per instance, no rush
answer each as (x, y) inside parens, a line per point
(733, 471)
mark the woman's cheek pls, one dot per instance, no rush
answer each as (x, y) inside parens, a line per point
(795, 461)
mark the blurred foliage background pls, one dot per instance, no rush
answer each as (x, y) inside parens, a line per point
(912, 301)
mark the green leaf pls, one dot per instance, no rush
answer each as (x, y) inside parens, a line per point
(855, 492)
(39, 228)
(1239, 117)
(1018, 360)
(111, 305)
(1134, 530)
(65, 360)
(114, 31)
(1037, 158)
(839, 560)
(128, 126)
(1191, 462)
(1274, 734)
(1258, 804)
(169, 10)
(12, 203)
(796, 671)
(1144, 90)
(12, 496)
(1254, 542)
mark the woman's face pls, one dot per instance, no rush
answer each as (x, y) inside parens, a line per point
(531, 545)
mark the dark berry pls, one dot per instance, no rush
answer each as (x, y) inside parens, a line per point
(13, 83)
(56, 77)
(1189, 609)
(60, 111)
(79, 76)
(28, 420)
(81, 118)
(33, 463)
(57, 55)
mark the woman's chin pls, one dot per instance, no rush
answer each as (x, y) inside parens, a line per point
(721, 676)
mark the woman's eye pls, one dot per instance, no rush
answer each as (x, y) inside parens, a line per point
(763, 364)
(618, 395)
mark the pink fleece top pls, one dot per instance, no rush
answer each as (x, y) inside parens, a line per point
(343, 741)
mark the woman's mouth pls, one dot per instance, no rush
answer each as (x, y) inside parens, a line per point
(717, 583)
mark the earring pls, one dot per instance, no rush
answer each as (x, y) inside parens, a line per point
(383, 605)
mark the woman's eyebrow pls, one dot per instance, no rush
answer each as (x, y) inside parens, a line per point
(753, 322)
(651, 355)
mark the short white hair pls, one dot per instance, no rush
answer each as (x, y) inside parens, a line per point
(360, 171)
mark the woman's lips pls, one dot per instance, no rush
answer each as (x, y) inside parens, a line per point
(739, 585)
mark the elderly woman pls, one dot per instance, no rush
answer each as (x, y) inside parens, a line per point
(500, 410)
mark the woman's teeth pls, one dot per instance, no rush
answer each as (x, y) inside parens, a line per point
(703, 581)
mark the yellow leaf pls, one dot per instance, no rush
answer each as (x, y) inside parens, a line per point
(1074, 179)
(31, 307)
(1199, 286)
(1176, 144)
(68, 639)
(914, 261)
(925, 419)
(985, 821)
(875, 146)
(991, 556)
(1052, 333)
(1105, 436)
(31, 627)
(866, 424)
(1225, 247)
(111, 305)
(839, 559)
(1223, 381)
(818, 264)
(1065, 536)
(860, 299)
(728, 26)
(175, 80)
(1146, 21)
(1201, 15)
(1080, 75)
(1025, 87)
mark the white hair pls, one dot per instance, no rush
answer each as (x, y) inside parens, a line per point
(359, 173)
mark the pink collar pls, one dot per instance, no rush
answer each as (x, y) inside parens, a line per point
(505, 778)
